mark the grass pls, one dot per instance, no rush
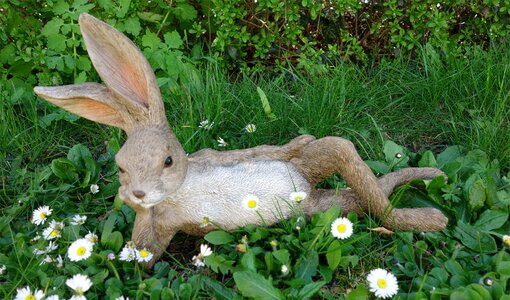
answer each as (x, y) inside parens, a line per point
(427, 104)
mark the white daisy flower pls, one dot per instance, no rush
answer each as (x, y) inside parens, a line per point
(382, 283)
(297, 196)
(221, 142)
(206, 125)
(250, 128)
(122, 298)
(127, 253)
(53, 297)
(251, 202)
(80, 284)
(341, 228)
(110, 256)
(94, 188)
(46, 260)
(51, 246)
(78, 220)
(506, 240)
(40, 215)
(25, 293)
(53, 231)
(92, 237)
(59, 261)
(143, 255)
(2, 269)
(285, 270)
(36, 238)
(205, 222)
(79, 250)
(198, 260)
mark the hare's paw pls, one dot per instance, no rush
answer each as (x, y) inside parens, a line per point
(416, 219)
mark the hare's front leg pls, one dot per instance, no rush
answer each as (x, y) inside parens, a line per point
(148, 234)
(327, 156)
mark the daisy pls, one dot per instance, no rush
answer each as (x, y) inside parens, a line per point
(506, 240)
(79, 250)
(382, 283)
(251, 202)
(25, 293)
(78, 220)
(53, 231)
(92, 237)
(198, 260)
(285, 270)
(205, 222)
(40, 215)
(53, 297)
(297, 196)
(341, 228)
(250, 128)
(110, 256)
(46, 260)
(59, 261)
(206, 125)
(80, 284)
(143, 255)
(94, 188)
(122, 298)
(128, 253)
(221, 142)
(2, 269)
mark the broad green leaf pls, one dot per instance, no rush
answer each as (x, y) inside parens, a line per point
(450, 154)
(132, 25)
(395, 155)
(173, 40)
(64, 169)
(256, 286)
(115, 241)
(185, 291)
(150, 17)
(167, 293)
(309, 290)
(108, 228)
(474, 239)
(185, 12)
(428, 160)
(77, 155)
(218, 263)
(379, 167)
(306, 266)
(440, 274)
(282, 256)
(359, 293)
(334, 255)
(57, 42)
(52, 27)
(60, 7)
(491, 219)
(248, 261)
(476, 194)
(265, 104)
(219, 237)
(218, 289)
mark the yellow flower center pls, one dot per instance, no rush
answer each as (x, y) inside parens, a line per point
(341, 228)
(205, 220)
(81, 251)
(144, 253)
(54, 233)
(42, 215)
(381, 283)
(30, 297)
(252, 203)
(298, 198)
(79, 291)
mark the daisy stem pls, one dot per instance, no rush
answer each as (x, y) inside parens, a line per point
(262, 218)
(113, 269)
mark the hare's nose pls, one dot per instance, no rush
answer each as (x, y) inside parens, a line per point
(139, 194)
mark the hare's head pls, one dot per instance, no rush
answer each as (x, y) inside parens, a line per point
(152, 162)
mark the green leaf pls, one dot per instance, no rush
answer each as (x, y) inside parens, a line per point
(379, 167)
(77, 155)
(282, 255)
(115, 241)
(150, 17)
(173, 40)
(491, 219)
(132, 25)
(454, 267)
(219, 290)
(440, 274)
(64, 169)
(52, 27)
(218, 263)
(334, 255)
(60, 7)
(265, 104)
(309, 290)
(219, 237)
(395, 155)
(185, 12)
(450, 154)
(306, 266)
(248, 261)
(359, 293)
(256, 286)
(57, 42)
(474, 239)
(428, 160)
(476, 193)
(108, 228)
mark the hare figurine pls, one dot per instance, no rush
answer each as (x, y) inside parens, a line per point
(172, 192)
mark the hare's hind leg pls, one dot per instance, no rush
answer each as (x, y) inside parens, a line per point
(327, 156)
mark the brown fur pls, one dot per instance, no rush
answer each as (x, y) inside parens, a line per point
(168, 198)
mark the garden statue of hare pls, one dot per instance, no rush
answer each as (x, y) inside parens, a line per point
(171, 191)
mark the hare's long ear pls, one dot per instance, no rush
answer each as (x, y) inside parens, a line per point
(89, 100)
(122, 66)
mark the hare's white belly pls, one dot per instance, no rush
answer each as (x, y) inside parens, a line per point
(218, 192)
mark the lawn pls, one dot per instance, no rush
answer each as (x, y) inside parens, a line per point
(432, 111)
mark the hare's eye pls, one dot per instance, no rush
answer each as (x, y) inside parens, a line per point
(168, 161)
